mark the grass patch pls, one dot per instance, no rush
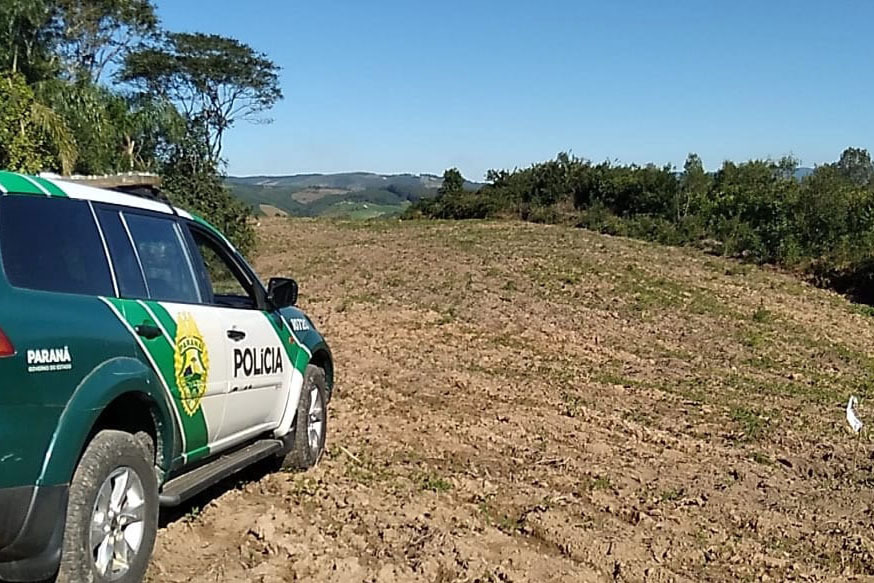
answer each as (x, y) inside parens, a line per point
(703, 302)
(366, 470)
(600, 483)
(763, 362)
(763, 316)
(737, 269)
(503, 521)
(447, 316)
(673, 494)
(434, 483)
(609, 377)
(639, 416)
(571, 405)
(761, 458)
(192, 515)
(862, 310)
(752, 422)
(305, 486)
(555, 273)
(753, 338)
(660, 293)
(363, 298)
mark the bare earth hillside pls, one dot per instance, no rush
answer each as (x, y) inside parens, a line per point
(530, 403)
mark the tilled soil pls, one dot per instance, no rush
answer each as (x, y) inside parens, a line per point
(531, 403)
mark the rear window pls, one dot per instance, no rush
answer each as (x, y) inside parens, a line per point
(52, 244)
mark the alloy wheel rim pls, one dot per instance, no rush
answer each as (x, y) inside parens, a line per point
(315, 420)
(117, 523)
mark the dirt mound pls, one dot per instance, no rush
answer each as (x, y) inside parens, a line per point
(531, 403)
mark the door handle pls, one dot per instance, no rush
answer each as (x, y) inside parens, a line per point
(236, 335)
(147, 331)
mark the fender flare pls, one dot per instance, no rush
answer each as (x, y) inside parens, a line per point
(313, 342)
(110, 380)
(322, 357)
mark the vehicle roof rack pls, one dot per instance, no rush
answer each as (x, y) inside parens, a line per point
(143, 185)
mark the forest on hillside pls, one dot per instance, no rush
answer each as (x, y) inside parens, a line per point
(821, 224)
(99, 87)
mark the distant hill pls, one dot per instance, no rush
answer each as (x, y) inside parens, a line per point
(351, 194)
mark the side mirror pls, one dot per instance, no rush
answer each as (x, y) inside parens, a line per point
(282, 291)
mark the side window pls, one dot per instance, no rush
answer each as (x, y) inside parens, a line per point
(128, 271)
(165, 263)
(53, 245)
(226, 283)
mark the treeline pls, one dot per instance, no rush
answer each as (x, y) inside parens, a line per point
(99, 87)
(758, 210)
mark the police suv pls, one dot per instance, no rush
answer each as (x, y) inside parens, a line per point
(141, 361)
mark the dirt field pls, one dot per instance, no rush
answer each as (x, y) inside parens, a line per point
(529, 403)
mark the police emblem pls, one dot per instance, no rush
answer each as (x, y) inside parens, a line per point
(191, 363)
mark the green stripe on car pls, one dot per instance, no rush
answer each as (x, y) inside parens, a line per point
(52, 188)
(162, 352)
(298, 357)
(19, 184)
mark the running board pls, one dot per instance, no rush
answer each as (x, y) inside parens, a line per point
(180, 489)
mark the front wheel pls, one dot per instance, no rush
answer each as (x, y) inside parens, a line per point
(112, 515)
(311, 423)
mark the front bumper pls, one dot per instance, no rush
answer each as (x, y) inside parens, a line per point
(31, 531)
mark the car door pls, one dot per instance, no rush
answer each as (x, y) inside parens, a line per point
(258, 370)
(161, 301)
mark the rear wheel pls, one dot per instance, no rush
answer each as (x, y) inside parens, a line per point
(311, 423)
(112, 515)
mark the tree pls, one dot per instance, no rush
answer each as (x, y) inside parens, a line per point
(192, 182)
(453, 182)
(114, 132)
(214, 80)
(27, 38)
(149, 130)
(89, 111)
(787, 166)
(748, 208)
(94, 34)
(32, 136)
(694, 186)
(856, 166)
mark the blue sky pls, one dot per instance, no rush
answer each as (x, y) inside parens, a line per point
(415, 86)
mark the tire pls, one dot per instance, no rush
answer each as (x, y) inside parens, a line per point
(115, 464)
(305, 452)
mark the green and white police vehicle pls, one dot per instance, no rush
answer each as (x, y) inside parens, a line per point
(141, 361)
